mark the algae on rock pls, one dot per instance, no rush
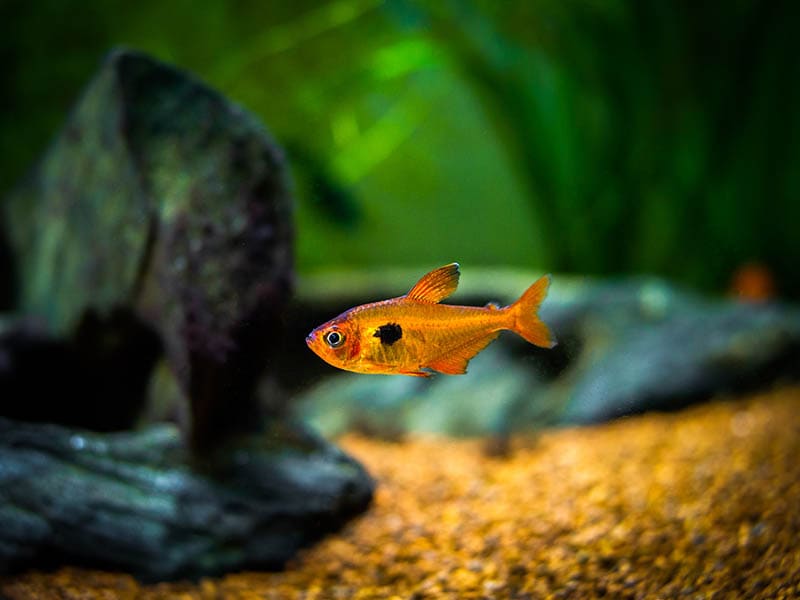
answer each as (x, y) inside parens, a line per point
(159, 223)
(161, 198)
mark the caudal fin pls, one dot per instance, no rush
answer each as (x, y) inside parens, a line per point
(524, 319)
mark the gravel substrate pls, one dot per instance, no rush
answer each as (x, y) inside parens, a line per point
(699, 504)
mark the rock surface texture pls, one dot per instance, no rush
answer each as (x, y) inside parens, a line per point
(135, 501)
(162, 201)
(158, 224)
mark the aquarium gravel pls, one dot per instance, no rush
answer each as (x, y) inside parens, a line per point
(698, 504)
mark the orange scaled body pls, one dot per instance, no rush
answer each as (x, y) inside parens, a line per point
(413, 334)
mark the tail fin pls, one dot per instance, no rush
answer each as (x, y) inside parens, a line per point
(525, 321)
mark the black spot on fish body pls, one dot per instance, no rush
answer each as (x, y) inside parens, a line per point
(389, 333)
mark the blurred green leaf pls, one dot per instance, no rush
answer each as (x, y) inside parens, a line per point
(602, 137)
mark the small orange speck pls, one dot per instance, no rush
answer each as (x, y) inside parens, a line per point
(753, 282)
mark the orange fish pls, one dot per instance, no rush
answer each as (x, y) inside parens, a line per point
(414, 334)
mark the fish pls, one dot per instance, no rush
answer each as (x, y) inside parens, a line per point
(416, 335)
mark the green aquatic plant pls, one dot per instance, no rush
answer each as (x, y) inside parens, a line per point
(600, 137)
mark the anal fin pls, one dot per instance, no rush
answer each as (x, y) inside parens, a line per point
(455, 361)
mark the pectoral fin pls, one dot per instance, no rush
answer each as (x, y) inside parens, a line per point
(455, 361)
(415, 373)
(436, 285)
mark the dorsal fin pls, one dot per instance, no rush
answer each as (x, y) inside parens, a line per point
(436, 285)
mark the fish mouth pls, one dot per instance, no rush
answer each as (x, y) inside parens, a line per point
(310, 339)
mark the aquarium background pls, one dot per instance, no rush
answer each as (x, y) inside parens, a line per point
(573, 137)
(161, 417)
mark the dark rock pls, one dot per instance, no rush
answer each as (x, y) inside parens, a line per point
(157, 224)
(163, 199)
(625, 347)
(136, 502)
(689, 356)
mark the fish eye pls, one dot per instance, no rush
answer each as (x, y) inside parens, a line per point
(334, 339)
